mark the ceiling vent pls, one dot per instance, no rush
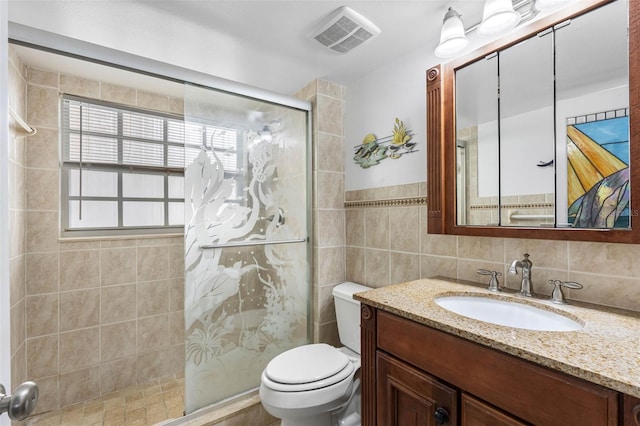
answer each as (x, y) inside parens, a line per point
(344, 29)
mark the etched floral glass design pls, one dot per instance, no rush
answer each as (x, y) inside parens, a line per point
(247, 278)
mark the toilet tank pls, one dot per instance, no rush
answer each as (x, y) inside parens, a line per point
(348, 313)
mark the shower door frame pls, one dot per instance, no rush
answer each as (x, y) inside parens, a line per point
(5, 296)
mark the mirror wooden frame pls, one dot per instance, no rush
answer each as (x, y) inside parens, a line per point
(441, 125)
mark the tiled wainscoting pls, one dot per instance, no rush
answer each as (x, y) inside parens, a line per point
(387, 243)
(386, 236)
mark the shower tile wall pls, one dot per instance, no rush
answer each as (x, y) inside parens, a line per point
(92, 316)
(17, 218)
(327, 99)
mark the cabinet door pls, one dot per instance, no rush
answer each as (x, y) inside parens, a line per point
(407, 396)
(630, 411)
(477, 413)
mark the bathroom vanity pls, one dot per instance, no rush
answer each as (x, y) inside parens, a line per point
(425, 365)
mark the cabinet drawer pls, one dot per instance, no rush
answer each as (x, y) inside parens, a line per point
(528, 391)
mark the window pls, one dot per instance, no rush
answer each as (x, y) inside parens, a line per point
(123, 168)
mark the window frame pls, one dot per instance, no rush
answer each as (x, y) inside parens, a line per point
(67, 166)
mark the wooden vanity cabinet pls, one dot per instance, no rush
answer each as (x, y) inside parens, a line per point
(409, 370)
(630, 411)
(474, 412)
(409, 397)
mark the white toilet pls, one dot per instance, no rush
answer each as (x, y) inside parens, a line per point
(319, 385)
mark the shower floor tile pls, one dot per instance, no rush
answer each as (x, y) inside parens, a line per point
(140, 405)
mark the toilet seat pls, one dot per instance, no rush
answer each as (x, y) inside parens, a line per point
(306, 368)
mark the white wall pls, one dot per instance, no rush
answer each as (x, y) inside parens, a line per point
(151, 31)
(372, 105)
(375, 100)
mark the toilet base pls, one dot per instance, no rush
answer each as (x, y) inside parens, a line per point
(325, 419)
(319, 420)
(345, 412)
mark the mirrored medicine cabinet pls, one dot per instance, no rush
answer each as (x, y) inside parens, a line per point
(535, 135)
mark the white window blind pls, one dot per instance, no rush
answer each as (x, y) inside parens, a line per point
(123, 168)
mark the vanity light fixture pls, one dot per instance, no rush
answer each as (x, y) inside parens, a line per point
(452, 36)
(498, 17)
(548, 4)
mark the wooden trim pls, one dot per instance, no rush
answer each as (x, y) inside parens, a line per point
(435, 104)
(368, 345)
(441, 139)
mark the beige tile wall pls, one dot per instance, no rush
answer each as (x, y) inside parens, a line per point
(382, 243)
(98, 315)
(17, 218)
(387, 245)
(328, 202)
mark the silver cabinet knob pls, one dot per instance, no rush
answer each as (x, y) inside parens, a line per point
(22, 403)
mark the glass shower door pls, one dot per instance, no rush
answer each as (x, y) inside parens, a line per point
(247, 274)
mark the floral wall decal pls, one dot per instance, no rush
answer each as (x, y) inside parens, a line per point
(373, 150)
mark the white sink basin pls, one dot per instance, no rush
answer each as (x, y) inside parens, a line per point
(510, 314)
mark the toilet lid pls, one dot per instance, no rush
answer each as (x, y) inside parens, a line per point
(306, 364)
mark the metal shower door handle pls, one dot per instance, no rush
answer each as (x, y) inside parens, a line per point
(22, 403)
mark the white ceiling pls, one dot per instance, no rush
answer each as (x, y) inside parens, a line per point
(262, 43)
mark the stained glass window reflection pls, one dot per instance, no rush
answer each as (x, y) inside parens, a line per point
(598, 170)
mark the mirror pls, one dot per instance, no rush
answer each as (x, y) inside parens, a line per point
(592, 113)
(478, 176)
(516, 163)
(533, 132)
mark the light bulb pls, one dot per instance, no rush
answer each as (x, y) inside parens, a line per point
(498, 17)
(452, 37)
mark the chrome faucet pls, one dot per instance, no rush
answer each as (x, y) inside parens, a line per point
(526, 265)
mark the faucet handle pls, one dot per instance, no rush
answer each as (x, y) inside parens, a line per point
(494, 285)
(556, 295)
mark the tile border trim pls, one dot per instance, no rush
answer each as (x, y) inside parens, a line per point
(513, 206)
(392, 202)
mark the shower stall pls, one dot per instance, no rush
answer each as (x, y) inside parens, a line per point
(244, 199)
(247, 277)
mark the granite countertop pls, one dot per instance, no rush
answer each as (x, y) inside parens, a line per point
(606, 351)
